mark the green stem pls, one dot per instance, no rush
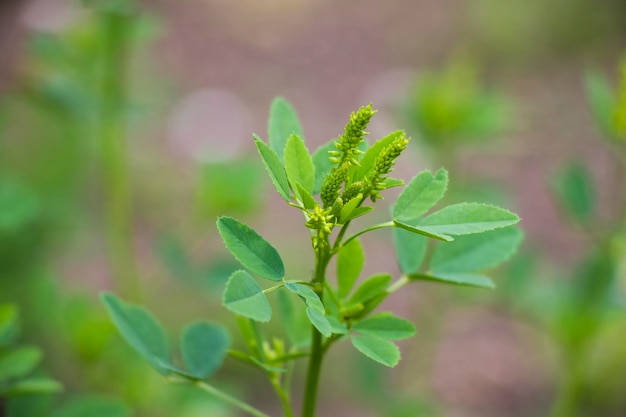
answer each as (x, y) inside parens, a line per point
(568, 397)
(229, 399)
(282, 395)
(317, 350)
(116, 28)
(368, 229)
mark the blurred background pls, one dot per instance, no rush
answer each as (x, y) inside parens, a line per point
(125, 130)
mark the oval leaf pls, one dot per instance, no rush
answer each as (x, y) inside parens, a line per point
(299, 164)
(476, 252)
(203, 347)
(243, 296)
(250, 249)
(19, 362)
(274, 168)
(420, 195)
(375, 348)
(370, 289)
(140, 329)
(282, 123)
(386, 326)
(349, 265)
(467, 218)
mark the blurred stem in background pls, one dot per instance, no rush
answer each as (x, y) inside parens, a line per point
(116, 25)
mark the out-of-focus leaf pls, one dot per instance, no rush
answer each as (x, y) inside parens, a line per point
(315, 309)
(410, 250)
(93, 406)
(19, 362)
(377, 349)
(203, 347)
(323, 165)
(574, 190)
(140, 329)
(454, 278)
(283, 122)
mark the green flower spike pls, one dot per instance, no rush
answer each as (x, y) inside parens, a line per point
(384, 165)
(321, 221)
(332, 184)
(353, 135)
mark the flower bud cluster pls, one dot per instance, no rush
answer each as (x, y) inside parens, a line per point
(332, 184)
(321, 221)
(383, 165)
(353, 135)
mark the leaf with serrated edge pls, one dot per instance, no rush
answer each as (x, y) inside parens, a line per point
(250, 249)
(420, 195)
(283, 122)
(466, 280)
(203, 348)
(377, 349)
(140, 329)
(298, 164)
(386, 326)
(467, 218)
(349, 265)
(476, 252)
(274, 168)
(243, 296)
(410, 249)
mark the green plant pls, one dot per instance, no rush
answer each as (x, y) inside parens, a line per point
(452, 245)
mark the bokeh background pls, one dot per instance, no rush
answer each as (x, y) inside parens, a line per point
(125, 130)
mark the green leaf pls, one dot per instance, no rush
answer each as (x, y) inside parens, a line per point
(8, 323)
(377, 349)
(410, 250)
(315, 309)
(367, 162)
(370, 289)
(467, 218)
(93, 406)
(476, 252)
(356, 212)
(602, 101)
(31, 386)
(140, 329)
(420, 195)
(295, 321)
(574, 189)
(243, 296)
(298, 164)
(392, 182)
(203, 347)
(462, 279)
(19, 362)
(250, 249)
(282, 123)
(274, 168)
(337, 326)
(350, 263)
(386, 326)
(306, 197)
(420, 231)
(323, 166)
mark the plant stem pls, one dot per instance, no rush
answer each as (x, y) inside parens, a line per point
(282, 395)
(317, 350)
(112, 137)
(231, 400)
(568, 397)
